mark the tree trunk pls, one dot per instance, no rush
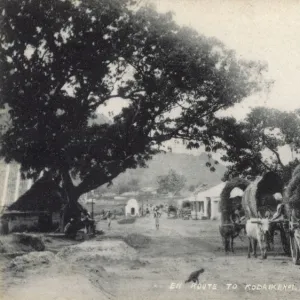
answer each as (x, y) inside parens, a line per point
(72, 193)
(72, 210)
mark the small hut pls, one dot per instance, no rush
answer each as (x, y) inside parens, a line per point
(132, 208)
(38, 209)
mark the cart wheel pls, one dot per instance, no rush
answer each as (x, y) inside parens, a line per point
(294, 250)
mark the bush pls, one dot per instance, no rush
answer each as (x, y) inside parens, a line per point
(186, 204)
(127, 221)
(35, 242)
(137, 240)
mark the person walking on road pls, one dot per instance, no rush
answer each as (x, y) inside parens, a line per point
(156, 216)
(109, 219)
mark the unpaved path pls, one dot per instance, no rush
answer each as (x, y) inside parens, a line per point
(163, 260)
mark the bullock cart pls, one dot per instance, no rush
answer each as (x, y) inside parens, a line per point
(232, 215)
(293, 209)
(263, 199)
(294, 227)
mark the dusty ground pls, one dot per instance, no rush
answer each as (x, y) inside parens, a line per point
(154, 263)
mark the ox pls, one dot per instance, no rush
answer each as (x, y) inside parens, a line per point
(257, 230)
(232, 214)
(228, 233)
(260, 200)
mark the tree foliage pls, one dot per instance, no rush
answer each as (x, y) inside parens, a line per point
(171, 183)
(253, 145)
(61, 60)
(132, 185)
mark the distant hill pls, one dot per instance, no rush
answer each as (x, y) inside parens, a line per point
(192, 167)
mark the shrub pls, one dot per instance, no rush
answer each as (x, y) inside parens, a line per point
(127, 221)
(137, 240)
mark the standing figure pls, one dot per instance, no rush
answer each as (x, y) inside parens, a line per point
(147, 212)
(156, 216)
(88, 222)
(109, 219)
(70, 229)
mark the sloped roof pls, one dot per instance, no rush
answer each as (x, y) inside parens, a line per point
(132, 201)
(44, 195)
(212, 192)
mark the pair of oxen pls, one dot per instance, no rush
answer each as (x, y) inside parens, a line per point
(262, 199)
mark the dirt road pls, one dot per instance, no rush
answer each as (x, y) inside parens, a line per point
(155, 267)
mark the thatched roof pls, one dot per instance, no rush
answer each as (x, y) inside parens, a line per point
(269, 184)
(227, 203)
(44, 195)
(293, 189)
(259, 194)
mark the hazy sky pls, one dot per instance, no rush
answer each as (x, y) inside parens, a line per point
(260, 30)
(265, 30)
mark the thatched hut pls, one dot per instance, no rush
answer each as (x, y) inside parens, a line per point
(37, 209)
(44, 195)
(229, 202)
(261, 195)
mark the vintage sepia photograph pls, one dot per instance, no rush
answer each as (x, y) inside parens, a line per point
(149, 149)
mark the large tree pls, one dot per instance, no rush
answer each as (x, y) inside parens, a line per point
(171, 183)
(253, 145)
(61, 60)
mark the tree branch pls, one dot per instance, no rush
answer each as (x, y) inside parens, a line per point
(277, 156)
(265, 165)
(166, 137)
(98, 177)
(68, 185)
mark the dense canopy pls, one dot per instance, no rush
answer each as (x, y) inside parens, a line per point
(62, 60)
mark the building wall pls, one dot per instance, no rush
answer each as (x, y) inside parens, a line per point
(27, 222)
(12, 186)
(3, 182)
(215, 209)
(56, 218)
(132, 204)
(20, 223)
(200, 209)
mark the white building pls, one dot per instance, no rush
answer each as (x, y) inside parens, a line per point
(206, 204)
(12, 186)
(132, 208)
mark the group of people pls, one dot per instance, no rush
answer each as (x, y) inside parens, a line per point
(88, 224)
(85, 222)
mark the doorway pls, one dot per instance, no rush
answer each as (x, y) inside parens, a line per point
(132, 211)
